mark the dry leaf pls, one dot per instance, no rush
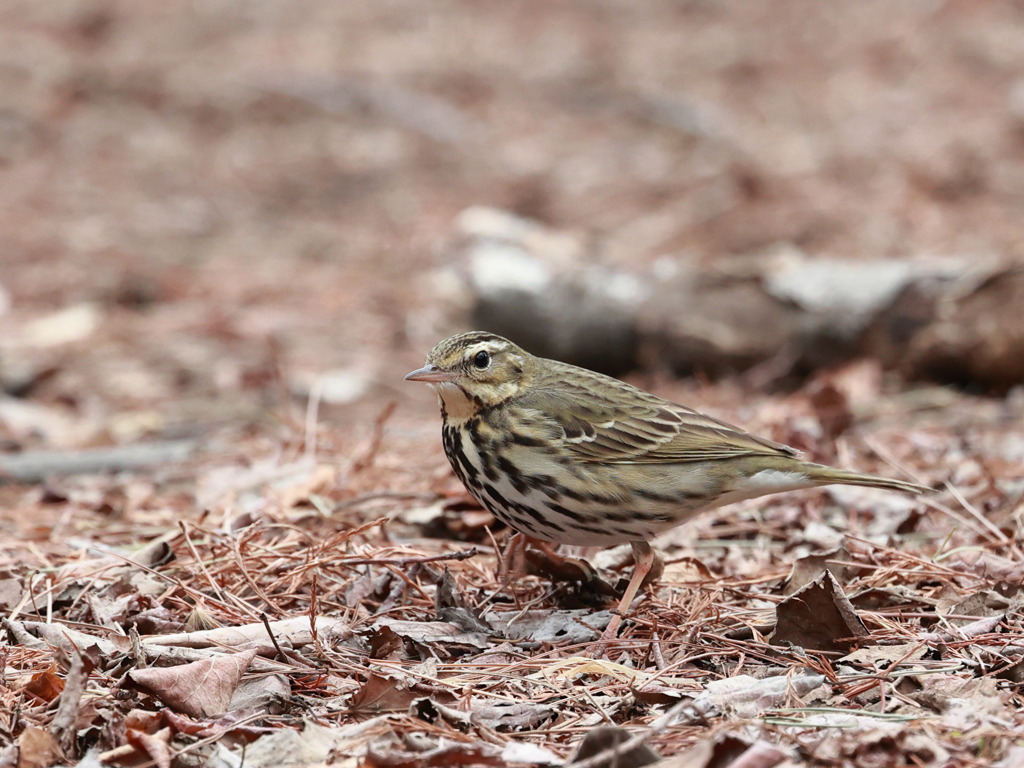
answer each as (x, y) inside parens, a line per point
(433, 632)
(295, 632)
(818, 617)
(510, 716)
(604, 739)
(381, 693)
(746, 696)
(452, 607)
(46, 685)
(390, 752)
(153, 745)
(562, 627)
(37, 748)
(810, 567)
(200, 689)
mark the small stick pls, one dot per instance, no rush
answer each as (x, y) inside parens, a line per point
(34, 466)
(376, 437)
(266, 623)
(401, 562)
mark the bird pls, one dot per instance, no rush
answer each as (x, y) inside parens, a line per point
(567, 455)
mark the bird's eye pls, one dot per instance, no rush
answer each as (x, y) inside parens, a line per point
(481, 359)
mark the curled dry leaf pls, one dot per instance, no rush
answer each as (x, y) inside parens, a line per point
(313, 745)
(987, 565)
(574, 667)
(883, 656)
(962, 704)
(810, 568)
(394, 751)
(200, 689)
(452, 607)
(746, 696)
(430, 711)
(563, 627)
(602, 748)
(295, 632)
(266, 693)
(37, 748)
(384, 693)
(590, 587)
(511, 716)
(152, 745)
(442, 633)
(818, 617)
(46, 685)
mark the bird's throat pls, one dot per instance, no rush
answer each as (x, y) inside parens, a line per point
(456, 405)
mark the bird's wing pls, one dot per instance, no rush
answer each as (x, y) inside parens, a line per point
(621, 424)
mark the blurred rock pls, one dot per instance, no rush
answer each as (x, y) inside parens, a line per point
(775, 317)
(540, 288)
(716, 323)
(786, 315)
(977, 335)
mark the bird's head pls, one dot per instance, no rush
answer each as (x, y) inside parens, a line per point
(475, 370)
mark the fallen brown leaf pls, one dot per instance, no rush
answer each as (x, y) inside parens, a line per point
(818, 617)
(200, 689)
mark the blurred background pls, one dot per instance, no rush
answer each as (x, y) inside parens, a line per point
(208, 205)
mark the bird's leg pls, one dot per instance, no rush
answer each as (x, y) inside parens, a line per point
(512, 562)
(646, 563)
(515, 562)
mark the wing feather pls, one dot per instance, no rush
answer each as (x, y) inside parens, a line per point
(605, 421)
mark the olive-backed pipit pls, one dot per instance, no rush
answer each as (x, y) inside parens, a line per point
(570, 456)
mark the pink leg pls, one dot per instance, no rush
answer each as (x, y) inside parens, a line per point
(512, 562)
(644, 559)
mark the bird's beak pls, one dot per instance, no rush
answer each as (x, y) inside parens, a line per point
(430, 374)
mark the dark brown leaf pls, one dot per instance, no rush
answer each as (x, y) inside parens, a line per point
(818, 617)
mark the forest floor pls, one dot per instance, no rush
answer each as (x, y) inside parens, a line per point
(226, 236)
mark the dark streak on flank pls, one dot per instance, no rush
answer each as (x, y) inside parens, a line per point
(669, 498)
(525, 440)
(545, 522)
(558, 509)
(496, 496)
(513, 474)
(528, 510)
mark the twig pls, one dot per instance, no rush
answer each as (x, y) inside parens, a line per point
(273, 639)
(975, 628)
(312, 408)
(402, 562)
(376, 436)
(244, 572)
(1001, 537)
(63, 725)
(199, 562)
(34, 466)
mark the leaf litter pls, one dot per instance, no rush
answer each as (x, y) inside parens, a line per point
(322, 626)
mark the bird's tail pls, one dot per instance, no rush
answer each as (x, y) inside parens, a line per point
(822, 475)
